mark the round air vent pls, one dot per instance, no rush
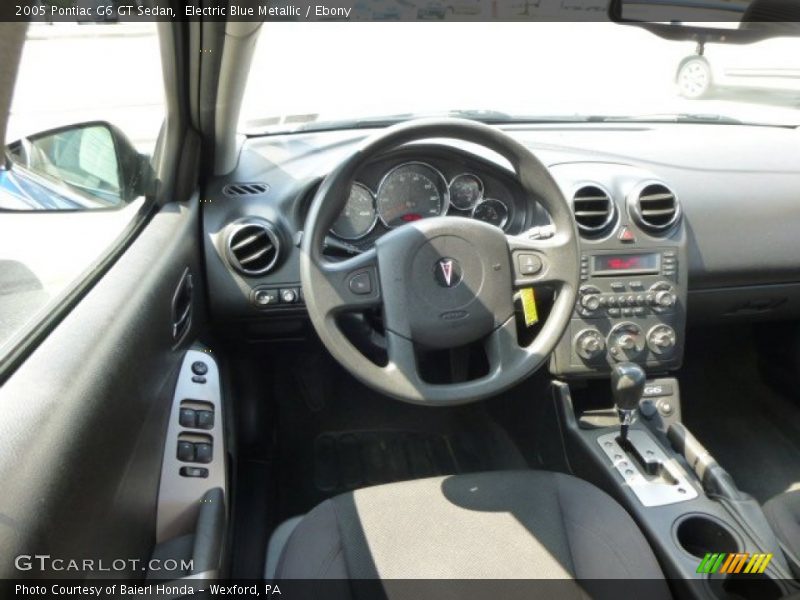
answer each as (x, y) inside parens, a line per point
(654, 207)
(595, 210)
(253, 246)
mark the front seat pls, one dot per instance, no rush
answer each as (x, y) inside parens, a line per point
(499, 525)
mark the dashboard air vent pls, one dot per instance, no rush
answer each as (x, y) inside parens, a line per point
(235, 190)
(595, 210)
(655, 208)
(253, 247)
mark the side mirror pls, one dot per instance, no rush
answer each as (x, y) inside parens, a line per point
(95, 159)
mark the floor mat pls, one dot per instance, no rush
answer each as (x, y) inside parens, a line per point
(336, 435)
(349, 460)
(752, 430)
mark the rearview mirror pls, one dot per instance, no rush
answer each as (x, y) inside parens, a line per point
(727, 21)
(94, 159)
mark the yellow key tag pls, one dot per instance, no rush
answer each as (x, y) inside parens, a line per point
(529, 306)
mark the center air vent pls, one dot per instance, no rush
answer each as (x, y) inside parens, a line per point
(594, 209)
(235, 190)
(654, 207)
(253, 246)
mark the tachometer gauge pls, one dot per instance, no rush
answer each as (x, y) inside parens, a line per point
(491, 211)
(411, 192)
(358, 216)
(466, 190)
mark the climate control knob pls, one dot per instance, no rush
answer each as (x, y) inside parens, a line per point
(589, 344)
(661, 339)
(626, 341)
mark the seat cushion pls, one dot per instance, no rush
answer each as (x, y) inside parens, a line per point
(783, 513)
(500, 525)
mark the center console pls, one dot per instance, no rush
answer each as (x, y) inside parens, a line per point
(712, 540)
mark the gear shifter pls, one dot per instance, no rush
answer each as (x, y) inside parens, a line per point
(627, 386)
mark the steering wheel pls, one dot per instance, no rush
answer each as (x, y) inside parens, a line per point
(442, 282)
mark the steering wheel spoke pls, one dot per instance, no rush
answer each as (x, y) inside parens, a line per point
(402, 359)
(502, 346)
(352, 284)
(541, 261)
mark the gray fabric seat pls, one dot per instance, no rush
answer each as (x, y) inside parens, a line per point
(500, 525)
(783, 513)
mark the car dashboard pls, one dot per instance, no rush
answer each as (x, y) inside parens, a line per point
(677, 223)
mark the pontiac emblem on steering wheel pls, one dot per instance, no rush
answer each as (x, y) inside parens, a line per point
(447, 272)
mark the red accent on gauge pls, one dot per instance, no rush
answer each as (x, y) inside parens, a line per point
(411, 217)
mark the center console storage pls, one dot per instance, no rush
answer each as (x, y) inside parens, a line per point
(711, 540)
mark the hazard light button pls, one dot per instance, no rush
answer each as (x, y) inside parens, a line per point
(626, 236)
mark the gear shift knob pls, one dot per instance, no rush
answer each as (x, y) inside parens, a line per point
(627, 386)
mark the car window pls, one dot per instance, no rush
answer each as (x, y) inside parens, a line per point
(87, 110)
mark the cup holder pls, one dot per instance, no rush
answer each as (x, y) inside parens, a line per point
(702, 534)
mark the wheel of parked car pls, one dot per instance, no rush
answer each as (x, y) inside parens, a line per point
(694, 78)
(445, 282)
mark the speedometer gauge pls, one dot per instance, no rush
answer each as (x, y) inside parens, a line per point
(411, 192)
(466, 190)
(358, 216)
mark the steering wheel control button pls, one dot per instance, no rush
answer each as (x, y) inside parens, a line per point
(185, 451)
(360, 283)
(447, 272)
(200, 472)
(198, 379)
(529, 264)
(188, 418)
(199, 367)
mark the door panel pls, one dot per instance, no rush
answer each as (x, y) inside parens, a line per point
(83, 420)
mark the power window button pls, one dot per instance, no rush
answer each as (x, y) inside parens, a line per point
(201, 472)
(203, 453)
(186, 451)
(188, 418)
(205, 419)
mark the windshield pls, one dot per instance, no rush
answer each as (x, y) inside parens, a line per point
(320, 75)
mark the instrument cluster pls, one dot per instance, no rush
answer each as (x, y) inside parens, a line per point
(415, 190)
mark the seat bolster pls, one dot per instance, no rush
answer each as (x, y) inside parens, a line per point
(314, 549)
(783, 514)
(605, 542)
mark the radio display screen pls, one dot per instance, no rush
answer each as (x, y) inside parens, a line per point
(610, 264)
